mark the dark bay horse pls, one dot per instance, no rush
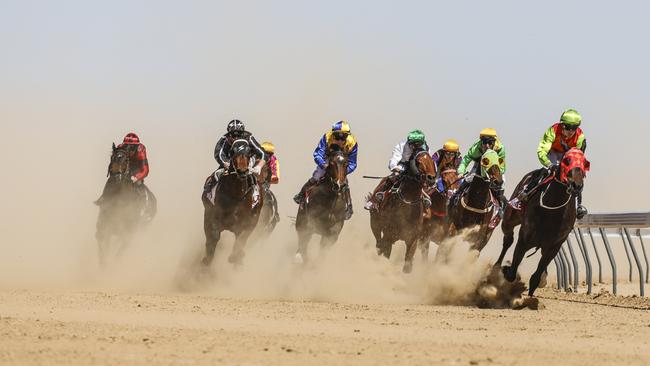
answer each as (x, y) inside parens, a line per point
(475, 206)
(400, 214)
(323, 210)
(547, 219)
(433, 227)
(120, 213)
(234, 204)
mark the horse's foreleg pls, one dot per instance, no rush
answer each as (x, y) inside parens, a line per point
(510, 272)
(408, 256)
(547, 257)
(303, 240)
(212, 236)
(238, 248)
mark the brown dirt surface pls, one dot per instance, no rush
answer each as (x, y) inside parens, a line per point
(93, 328)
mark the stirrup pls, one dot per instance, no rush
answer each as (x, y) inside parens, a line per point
(581, 211)
(516, 203)
(379, 196)
(297, 198)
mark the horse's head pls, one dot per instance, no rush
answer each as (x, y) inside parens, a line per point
(240, 152)
(491, 165)
(450, 178)
(119, 164)
(337, 167)
(574, 168)
(423, 168)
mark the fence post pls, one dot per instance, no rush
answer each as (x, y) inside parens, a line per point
(558, 272)
(600, 265)
(610, 254)
(576, 269)
(566, 268)
(585, 255)
(645, 256)
(627, 253)
(638, 262)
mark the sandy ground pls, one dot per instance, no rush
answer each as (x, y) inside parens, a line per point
(91, 328)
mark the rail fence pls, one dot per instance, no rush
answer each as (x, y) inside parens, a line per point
(604, 231)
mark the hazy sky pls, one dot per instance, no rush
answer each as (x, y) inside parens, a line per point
(77, 75)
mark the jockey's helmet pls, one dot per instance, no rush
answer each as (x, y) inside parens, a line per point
(131, 139)
(451, 146)
(268, 147)
(236, 125)
(571, 117)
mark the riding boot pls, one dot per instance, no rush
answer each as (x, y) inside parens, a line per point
(276, 214)
(301, 195)
(518, 202)
(150, 203)
(581, 210)
(378, 194)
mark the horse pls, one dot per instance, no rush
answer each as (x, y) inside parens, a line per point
(233, 204)
(399, 215)
(475, 205)
(121, 207)
(323, 209)
(547, 219)
(269, 216)
(433, 227)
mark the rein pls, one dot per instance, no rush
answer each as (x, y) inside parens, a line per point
(541, 197)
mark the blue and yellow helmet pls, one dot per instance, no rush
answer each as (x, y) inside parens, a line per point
(341, 126)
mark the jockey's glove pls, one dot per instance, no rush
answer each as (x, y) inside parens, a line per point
(134, 179)
(257, 169)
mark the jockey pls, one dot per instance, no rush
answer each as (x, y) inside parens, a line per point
(448, 157)
(488, 139)
(273, 178)
(557, 140)
(272, 162)
(139, 165)
(237, 131)
(339, 135)
(398, 163)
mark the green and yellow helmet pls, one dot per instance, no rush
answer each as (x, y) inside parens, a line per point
(415, 136)
(571, 117)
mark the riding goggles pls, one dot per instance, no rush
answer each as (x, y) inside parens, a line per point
(340, 136)
(569, 127)
(488, 140)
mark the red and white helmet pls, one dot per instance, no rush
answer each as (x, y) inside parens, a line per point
(131, 139)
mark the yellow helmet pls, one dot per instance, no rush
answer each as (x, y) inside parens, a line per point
(488, 132)
(451, 146)
(268, 147)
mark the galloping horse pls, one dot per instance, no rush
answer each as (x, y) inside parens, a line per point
(120, 214)
(476, 204)
(400, 214)
(234, 204)
(547, 219)
(269, 216)
(433, 227)
(323, 210)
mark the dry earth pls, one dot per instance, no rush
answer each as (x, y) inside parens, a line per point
(92, 328)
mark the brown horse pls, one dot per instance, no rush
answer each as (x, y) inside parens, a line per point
(323, 209)
(475, 205)
(433, 227)
(234, 204)
(547, 219)
(400, 213)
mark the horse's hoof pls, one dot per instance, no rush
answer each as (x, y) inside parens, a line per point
(408, 267)
(297, 259)
(235, 259)
(508, 273)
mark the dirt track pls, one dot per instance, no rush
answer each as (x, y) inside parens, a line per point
(119, 329)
